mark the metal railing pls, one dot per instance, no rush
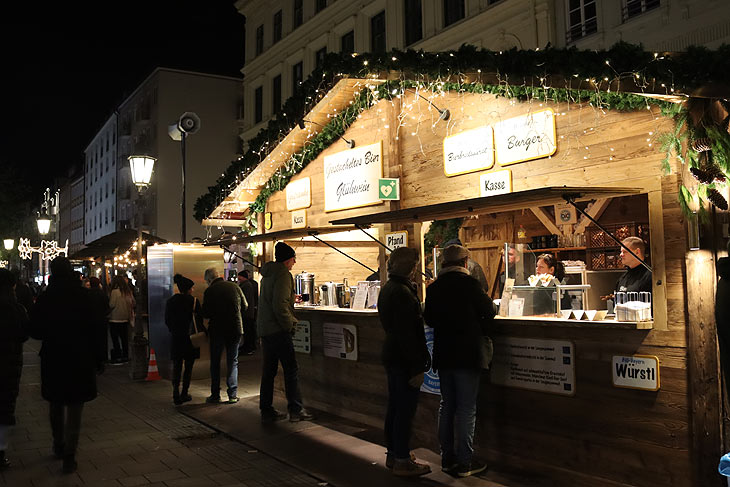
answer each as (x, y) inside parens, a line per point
(632, 8)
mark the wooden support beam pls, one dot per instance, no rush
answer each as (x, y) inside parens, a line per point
(546, 220)
(595, 210)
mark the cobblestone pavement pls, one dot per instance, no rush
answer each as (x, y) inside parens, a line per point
(132, 435)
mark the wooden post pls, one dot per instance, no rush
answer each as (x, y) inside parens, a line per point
(703, 368)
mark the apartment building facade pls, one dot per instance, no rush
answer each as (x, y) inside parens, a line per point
(100, 179)
(143, 122)
(286, 39)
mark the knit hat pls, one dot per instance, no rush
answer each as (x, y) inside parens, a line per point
(454, 253)
(453, 241)
(283, 252)
(183, 283)
(402, 261)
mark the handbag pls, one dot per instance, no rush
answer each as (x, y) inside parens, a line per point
(486, 351)
(197, 338)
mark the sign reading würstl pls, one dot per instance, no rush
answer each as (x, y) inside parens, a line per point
(526, 137)
(351, 177)
(299, 194)
(469, 151)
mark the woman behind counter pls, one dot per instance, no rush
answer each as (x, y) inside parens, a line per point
(544, 303)
(181, 313)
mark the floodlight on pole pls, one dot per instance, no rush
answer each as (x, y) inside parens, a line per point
(349, 142)
(141, 167)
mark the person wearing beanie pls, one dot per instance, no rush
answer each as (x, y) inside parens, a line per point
(224, 305)
(275, 325)
(405, 357)
(183, 318)
(474, 268)
(461, 314)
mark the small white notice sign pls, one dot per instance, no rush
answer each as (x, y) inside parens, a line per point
(299, 219)
(495, 182)
(299, 194)
(361, 295)
(396, 240)
(636, 372)
(340, 341)
(302, 337)
(469, 151)
(526, 137)
(535, 364)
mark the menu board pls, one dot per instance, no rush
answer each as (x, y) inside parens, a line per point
(340, 341)
(302, 337)
(526, 137)
(535, 364)
(351, 177)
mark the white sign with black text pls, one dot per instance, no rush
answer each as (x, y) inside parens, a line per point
(299, 219)
(636, 372)
(299, 194)
(396, 240)
(302, 337)
(340, 341)
(496, 182)
(526, 137)
(351, 177)
(535, 364)
(469, 151)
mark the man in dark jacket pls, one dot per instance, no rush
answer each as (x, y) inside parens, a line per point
(223, 305)
(275, 325)
(722, 315)
(250, 290)
(460, 312)
(405, 357)
(70, 323)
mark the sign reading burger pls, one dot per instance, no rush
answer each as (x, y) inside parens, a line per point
(351, 177)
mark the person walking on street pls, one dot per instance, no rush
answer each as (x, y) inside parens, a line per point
(405, 357)
(275, 325)
(68, 321)
(250, 289)
(223, 305)
(13, 332)
(182, 314)
(23, 292)
(460, 312)
(121, 319)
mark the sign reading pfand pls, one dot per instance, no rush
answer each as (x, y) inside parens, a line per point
(351, 178)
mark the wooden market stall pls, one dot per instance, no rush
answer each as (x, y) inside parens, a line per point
(585, 428)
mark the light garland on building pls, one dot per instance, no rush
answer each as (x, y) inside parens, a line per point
(48, 250)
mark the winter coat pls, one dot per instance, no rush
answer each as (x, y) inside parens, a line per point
(13, 332)
(179, 312)
(69, 321)
(400, 315)
(223, 304)
(276, 301)
(476, 271)
(122, 308)
(460, 312)
(250, 290)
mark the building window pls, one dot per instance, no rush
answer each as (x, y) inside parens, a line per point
(276, 94)
(453, 11)
(319, 57)
(581, 19)
(258, 104)
(632, 8)
(377, 32)
(277, 26)
(259, 39)
(414, 24)
(298, 13)
(347, 43)
(297, 76)
(112, 185)
(319, 5)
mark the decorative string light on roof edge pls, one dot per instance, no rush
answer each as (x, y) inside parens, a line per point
(443, 114)
(350, 143)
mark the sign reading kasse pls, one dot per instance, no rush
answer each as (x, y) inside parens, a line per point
(351, 177)
(469, 151)
(526, 137)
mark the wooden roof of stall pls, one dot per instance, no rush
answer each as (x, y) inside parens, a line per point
(288, 234)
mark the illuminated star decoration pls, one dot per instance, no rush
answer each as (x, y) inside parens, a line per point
(48, 250)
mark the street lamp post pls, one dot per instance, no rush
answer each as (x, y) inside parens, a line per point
(141, 167)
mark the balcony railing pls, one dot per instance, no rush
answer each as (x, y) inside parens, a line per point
(581, 30)
(632, 8)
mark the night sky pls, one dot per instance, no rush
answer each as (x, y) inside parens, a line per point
(67, 65)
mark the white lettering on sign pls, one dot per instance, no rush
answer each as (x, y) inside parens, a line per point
(396, 240)
(526, 137)
(636, 372)
(299, 194)
(469, 151)
(351, 177)
(496, 182)
(539, 365)
(299, 219)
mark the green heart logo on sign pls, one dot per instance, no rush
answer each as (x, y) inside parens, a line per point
(388, 189)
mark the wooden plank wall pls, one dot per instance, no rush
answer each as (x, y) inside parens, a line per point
(603, 436)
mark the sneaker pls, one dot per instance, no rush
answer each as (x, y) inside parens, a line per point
(69, 464)
(213, 399)
(232, 400)
(448, 466)
(177, 400)
(302, 415)
(272, 416)
(409, 468)
(471, 468)
(390, 459)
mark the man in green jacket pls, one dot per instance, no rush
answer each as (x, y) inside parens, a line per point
(275, 325)
(223, 304)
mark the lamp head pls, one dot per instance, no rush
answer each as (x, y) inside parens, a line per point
(445, 114)
(350, 143)
(44, 222)
(141, 167)
(9, 243)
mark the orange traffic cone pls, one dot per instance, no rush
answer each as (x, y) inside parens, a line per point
(152, 372)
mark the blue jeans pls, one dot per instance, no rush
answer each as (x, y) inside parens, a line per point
(279, 348)
(457, 413)
(402, 403)
(217, 343)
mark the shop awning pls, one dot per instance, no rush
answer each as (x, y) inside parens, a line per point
(289, 234)
(113, 243)
(487, 204)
